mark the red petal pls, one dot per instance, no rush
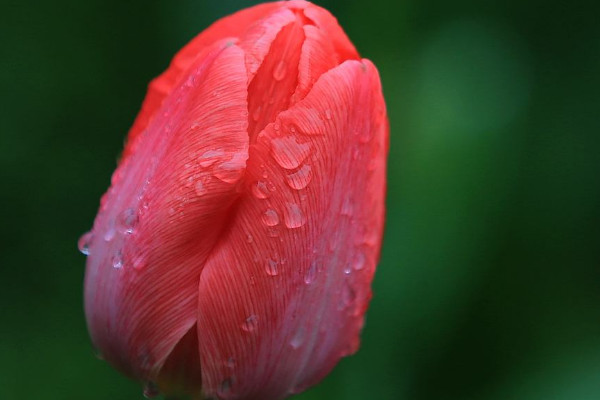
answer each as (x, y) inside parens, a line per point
(156, 226)
(282, 296)
(228, 27)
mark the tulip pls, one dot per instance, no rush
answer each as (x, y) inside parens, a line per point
(233, 254)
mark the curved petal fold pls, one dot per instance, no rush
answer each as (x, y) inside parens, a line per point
(283, 294)
(155, 228)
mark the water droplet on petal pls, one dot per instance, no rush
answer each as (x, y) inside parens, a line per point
(109, 234)
(231, 171)
(249, 238)
(256, 113)
(195, 125)
(298, 338)
(117, 260)
(293, 216)
(270, 217)
(225, 388)
(301, 178)
(288, 153)
(210, 157)
(311, 273)
(200, 188)
(279, 71)
(230, 362)
(127, 221)
(271, 267)
(359, 261)
(328, 114)
(347, 269)
(83, 244)
(347, 207)
(139, 262)
(260, 190)
(150, 390)
(250, 323)
(348, 295)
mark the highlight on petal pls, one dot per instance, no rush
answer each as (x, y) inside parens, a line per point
(309, 313)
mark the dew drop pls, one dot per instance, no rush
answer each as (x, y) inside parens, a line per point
(117, 260)
(279, 71)
(225, 388)
(109, 234)
(83, 244)
(150, 390)
(298, 338)
(271, 267)
(301, 178)
(230, 362)
(210, 157)
(249, 238)
(348, 295)
(195, 125)
(311, 273)
(200, 188)
(231, 171)
(260, 190)
(288, 153)
(328, 114)
(359, 261)
(347, 207)
(127, 221)
(293, 216)
(256, 113)
(139, 262)
(347, 269)
(250, 323)
(270, 217)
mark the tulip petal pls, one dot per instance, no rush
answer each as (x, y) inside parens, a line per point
(233, 26)
(282, 295)
(155, 228)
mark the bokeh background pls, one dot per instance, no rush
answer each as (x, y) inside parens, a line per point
(489, 284)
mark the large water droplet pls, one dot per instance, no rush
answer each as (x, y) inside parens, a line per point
(293, 216)
(250, 323)
(117, 260)
(127, 221)
(271, 266)
(301, 178)
(298, 338)
(260, 190)
(270, 217)
(279, 71)
(311, 273)
(288, 152)
(83, 244)
(150, 390)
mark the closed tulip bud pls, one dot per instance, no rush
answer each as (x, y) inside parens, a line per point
(233, 254)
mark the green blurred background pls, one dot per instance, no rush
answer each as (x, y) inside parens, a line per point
(489, 284)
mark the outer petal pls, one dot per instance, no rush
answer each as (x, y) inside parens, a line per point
(231, 26)
(282, 296)
(156, 226)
